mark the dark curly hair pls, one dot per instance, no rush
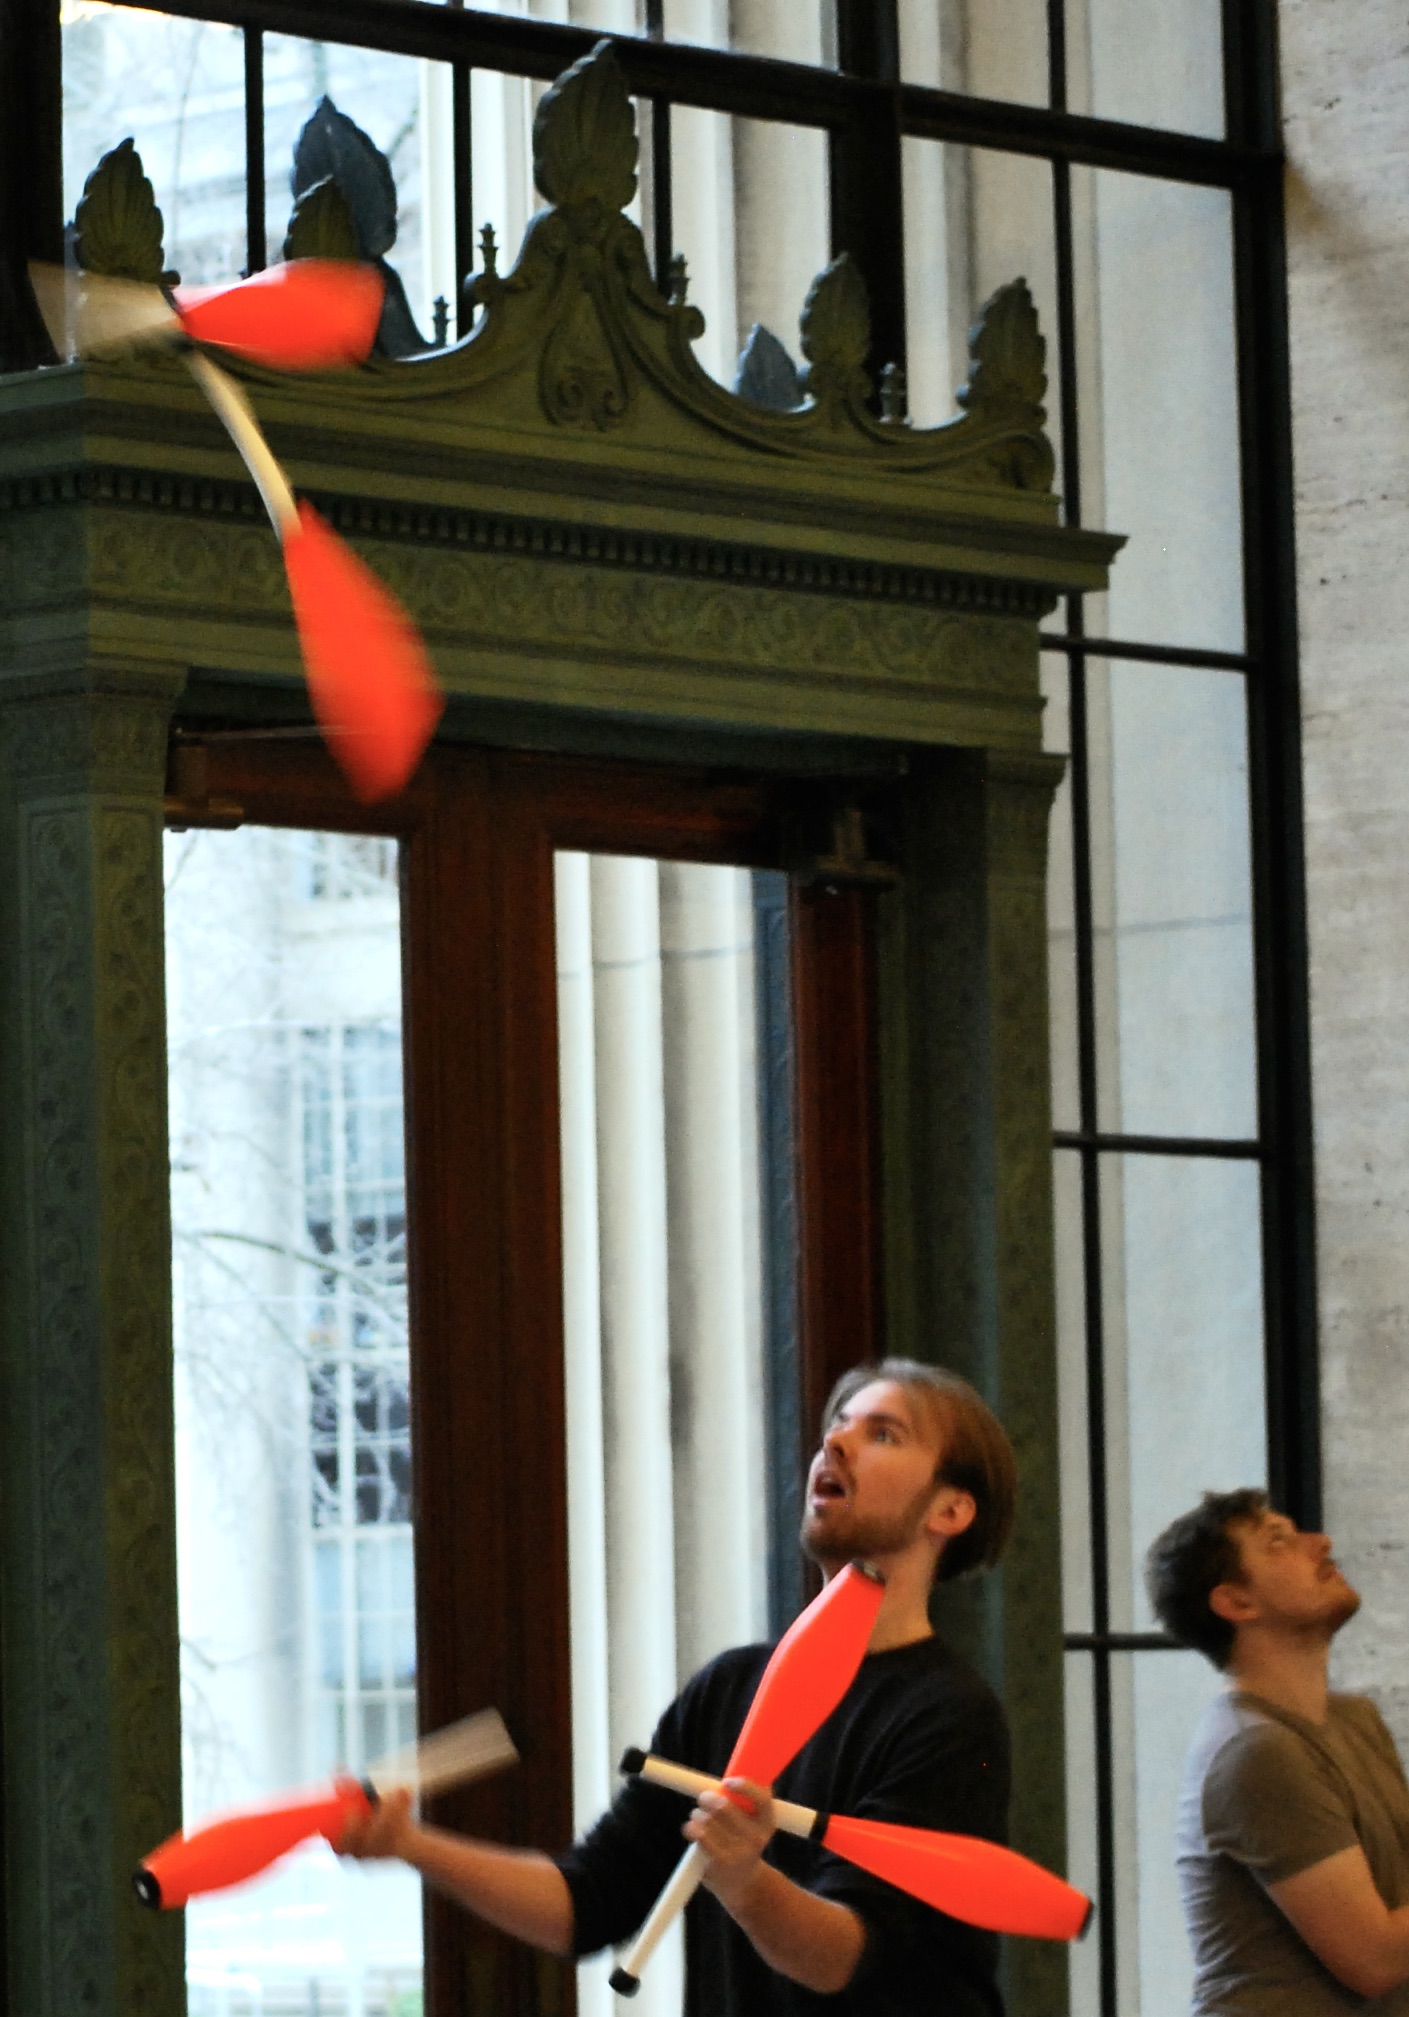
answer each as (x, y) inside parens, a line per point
(976, 1456)
(1188, 1561)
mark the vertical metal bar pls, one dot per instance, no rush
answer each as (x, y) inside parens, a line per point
(662, 187)
(462, 167)
(1087, 1066)
(1275, 772)
(462, 141)
(865, 172)
(256, 246)
(1057, 55)
(662, 200)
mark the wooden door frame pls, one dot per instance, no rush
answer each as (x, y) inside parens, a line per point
(479, 831)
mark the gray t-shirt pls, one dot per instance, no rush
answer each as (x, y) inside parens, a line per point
(1267, 1794)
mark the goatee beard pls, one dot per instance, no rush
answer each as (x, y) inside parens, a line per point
(831, 1545)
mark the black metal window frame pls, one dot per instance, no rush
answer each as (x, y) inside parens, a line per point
(867, 111)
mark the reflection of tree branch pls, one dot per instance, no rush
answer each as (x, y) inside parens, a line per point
(264, 1304)
(324, 1263)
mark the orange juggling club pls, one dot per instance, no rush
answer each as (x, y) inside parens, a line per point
(306, 315)
(971, 1879)
(237, 1846)
(234, 1847)
(808, 1672)
(369, 678)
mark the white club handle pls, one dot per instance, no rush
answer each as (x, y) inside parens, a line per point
(626, 1979)
(787, 1815)
(233, 407)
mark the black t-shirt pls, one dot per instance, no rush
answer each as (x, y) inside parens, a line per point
(918, 1738)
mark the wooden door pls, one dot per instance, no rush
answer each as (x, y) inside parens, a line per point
(479, 832)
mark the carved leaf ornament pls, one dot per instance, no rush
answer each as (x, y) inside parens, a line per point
(584, 137)
(322, 225)
(836, 334)
(1008, 377)
(118, 223)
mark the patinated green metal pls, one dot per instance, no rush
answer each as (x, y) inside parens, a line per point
(604, 548)
(92, 1755)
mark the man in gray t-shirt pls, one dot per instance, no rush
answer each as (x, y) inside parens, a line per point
(1294, 1816)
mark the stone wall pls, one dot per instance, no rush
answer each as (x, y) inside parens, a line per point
(1346, 87)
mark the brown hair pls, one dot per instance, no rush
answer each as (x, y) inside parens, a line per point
(975, 1454)
(1188, 1561)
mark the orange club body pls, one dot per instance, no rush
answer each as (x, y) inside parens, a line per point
(808, 1672)
(306, 315)
(235, 1847)
(965, 1876)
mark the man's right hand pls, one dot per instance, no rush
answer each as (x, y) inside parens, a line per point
(388, 1830)
(517, 1890)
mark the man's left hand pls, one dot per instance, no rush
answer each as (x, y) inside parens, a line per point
(734, 1826)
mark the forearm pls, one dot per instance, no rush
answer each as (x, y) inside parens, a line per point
(518, 1890)
(811, 1940)
(1341, 1916)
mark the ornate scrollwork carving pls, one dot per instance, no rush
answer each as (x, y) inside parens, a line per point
(119, 227)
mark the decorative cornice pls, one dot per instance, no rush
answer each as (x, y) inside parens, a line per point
(542, 538)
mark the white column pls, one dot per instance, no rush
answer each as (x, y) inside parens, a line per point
(582, 1340)
(635, 1311)
(711, 1155)
(635, 1323)
(582, 1347)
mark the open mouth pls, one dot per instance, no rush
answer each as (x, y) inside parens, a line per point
(827, 1486)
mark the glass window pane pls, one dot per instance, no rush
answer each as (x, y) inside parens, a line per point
(1178, 1044)
(402, 105)
(614, 17)
(1072, 1398)
(1150, 66)
(1168, 1692)
(1159, 404)
(178, 89)
(1083, 1956)
(975, 220)
(296, 1595)
(750, 214)
(795, 31)
(993, 48)
(1185, 1394)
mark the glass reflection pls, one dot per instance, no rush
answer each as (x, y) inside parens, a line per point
(1185, 1392)
(177, 87)
(993, 48)
(294, 1546)
(1159, 399)
(1177, 1039)
(975, 220)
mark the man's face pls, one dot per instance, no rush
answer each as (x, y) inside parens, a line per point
(1290, 1578)
(873, 1480)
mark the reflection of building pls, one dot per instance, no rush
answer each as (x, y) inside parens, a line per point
(293, 1452)
(1178, 984)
